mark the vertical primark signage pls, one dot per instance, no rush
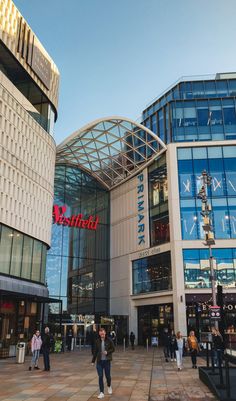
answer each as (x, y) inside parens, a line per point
(141, 203)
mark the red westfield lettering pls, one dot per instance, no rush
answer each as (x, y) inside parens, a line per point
(74, 220)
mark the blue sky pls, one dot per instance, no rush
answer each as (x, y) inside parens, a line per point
(115, 56)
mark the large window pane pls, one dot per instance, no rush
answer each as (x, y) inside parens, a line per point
(27, 258)
(5, 249)
(16, 254)
(36, 266)
(152, 274)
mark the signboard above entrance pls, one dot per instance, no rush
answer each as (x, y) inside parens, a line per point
(59, 218)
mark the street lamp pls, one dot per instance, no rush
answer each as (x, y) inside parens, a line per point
(207, 228)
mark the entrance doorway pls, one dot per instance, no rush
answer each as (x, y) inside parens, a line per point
(152, 319)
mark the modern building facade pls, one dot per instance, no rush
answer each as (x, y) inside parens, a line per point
(158, 264)
(29, 82)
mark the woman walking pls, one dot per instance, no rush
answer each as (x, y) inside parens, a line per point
(179, 348)
(193, 348)
(36, 344)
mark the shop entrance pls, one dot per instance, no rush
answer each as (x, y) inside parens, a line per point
(152, 319)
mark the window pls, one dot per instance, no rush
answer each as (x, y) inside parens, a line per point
(5, 249)
(197, 267)
(220, 163)
(152, 274)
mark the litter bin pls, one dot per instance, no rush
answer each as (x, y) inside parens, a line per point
(20, 353)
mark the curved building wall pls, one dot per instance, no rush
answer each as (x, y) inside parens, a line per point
(27, 156)
(78, 261)
(18, 37)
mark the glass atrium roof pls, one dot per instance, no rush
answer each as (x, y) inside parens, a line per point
(110, 149)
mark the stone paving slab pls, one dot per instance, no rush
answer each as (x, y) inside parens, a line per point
(136, 376)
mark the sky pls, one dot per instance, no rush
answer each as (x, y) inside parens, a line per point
(116, 56)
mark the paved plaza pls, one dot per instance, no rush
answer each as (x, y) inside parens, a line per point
(136, 376)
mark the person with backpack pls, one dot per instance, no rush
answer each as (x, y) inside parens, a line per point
(36, 344)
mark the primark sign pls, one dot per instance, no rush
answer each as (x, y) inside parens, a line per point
(140, 193)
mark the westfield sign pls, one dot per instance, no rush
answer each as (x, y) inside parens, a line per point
(74, 221)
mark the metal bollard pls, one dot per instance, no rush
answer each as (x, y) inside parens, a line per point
(124, 344)
(147, 344)
(80, 344)
(207, 353)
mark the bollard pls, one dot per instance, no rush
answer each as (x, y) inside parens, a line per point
(219, 357)
(212, 360)
(147, 344)
(207, 353)
(80, 344)
(124, 344)
(227, 378)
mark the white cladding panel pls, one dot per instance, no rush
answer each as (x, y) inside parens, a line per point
(27, 161)
(129, 216)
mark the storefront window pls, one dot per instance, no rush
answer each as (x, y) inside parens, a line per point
(21, 256)
(152, 274)
(152, 320)
(158, 202)
(197, 267)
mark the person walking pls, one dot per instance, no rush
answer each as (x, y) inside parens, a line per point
(104, 348)
(93, 338)
(132, 339)
(179, 348)
(69, 340)
(217, 346)
(193, 348)
(166, 343)
(172, 346)
(46, 349)
(36, 344)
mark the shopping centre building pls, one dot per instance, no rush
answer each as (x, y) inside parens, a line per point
(128, 246)
(29, 83)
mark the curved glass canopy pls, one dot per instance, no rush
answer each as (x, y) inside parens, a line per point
(110, 149)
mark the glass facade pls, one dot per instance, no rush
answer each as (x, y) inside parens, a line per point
(78, 261)
(152, 274)
(158, 202)
(197, 268)
(195, 111)
(220, 163)
(22, 256)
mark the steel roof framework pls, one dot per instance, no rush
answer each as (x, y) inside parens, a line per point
(111, 149)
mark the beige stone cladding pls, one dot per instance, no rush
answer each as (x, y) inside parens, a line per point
(10, 19)
(27, 159)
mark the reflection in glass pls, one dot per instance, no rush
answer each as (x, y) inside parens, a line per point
(197, 268)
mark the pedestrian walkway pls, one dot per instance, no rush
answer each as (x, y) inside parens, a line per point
(136, 376)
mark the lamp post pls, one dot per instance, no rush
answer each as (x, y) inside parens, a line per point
(207, 228)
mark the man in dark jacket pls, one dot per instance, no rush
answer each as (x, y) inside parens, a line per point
(46, 343)
(104, 348)
(166, 343)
